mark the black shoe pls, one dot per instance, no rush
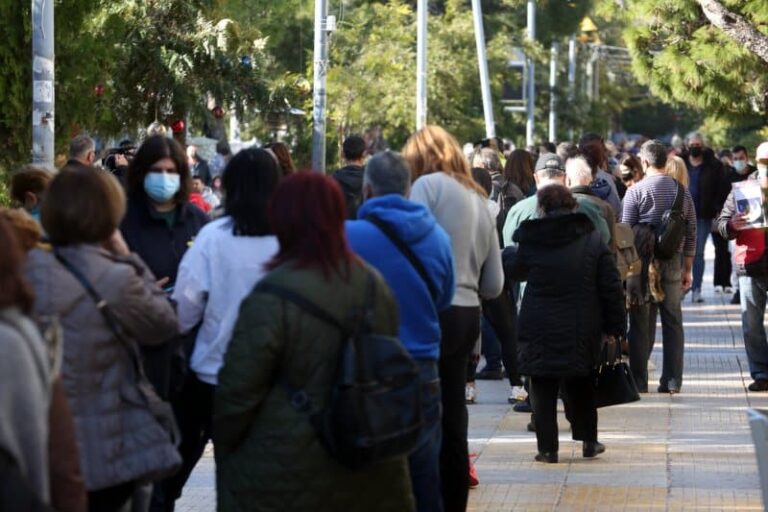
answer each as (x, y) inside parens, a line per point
(548, 457)
(531, 425)
(759, 385)
(736, 299)
(524, 406)
(662, 388)
(592, 449)
(486, 374)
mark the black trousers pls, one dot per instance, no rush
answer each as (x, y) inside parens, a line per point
(193, 408)
(111, 499)
(722, 261)
(460, 328)
(501, 313)
(579, 400)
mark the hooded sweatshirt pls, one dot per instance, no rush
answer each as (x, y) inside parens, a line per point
(415, 225)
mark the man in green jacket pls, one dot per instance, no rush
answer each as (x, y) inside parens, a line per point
(550, 171)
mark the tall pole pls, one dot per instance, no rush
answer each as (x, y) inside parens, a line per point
(552, 97)
(529, 125)
(319, 90)
(42, 82)
(482, 63)
(421, 64)
(571, 74)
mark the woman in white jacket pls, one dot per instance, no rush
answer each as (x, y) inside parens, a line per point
(219, 270)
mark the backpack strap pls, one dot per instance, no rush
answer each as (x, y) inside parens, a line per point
(406, 251)
(301, 301)
(677, 205)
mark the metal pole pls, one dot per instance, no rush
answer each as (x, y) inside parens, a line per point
(319, 90)
(571, 74)
(482, 63)
(529, 125)
(552, 97)
(421, 64)
(42, 82)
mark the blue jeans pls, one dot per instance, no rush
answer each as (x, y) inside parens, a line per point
(703, 230)
(641, 336)
(424, 462)
(753, 290)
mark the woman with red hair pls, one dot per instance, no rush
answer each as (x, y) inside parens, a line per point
(268, 456)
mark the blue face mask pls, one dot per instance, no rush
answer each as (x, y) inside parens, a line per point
(161, 186)
(35, 213)
(739, 165)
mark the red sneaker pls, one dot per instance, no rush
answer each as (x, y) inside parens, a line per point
(473, 480)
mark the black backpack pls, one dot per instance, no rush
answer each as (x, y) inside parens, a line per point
(374, 412)
(670, 233)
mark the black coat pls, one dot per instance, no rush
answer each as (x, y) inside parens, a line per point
(161, 247)
(350, 178)
(711, 180)
(573, 296)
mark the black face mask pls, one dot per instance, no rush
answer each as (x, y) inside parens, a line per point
(696, 151)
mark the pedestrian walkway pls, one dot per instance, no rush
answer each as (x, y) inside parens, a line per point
(692, 451)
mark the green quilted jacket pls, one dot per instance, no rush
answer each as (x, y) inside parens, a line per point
(268, 457)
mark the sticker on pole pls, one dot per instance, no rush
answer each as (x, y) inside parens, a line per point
(42, 91)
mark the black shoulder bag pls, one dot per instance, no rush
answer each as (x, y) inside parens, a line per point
(670, 233)
(374, 412)
(159, 408)
(614, 383)
(407, 252)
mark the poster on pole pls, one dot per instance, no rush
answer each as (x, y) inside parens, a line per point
(748, 198)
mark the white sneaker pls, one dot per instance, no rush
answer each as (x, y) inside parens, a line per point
(518, 394)
(470, 393)
(728, 289)
(696, 297)
(718, 289)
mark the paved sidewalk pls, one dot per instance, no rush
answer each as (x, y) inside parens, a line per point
(691, 451)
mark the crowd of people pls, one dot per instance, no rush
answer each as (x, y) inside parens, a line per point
(162, 303)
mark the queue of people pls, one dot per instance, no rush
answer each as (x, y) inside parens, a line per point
(146, 327)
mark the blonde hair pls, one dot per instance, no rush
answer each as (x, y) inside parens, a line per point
(676, 169)
(432, 149)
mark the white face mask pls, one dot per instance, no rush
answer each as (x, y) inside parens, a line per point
(762, 170)
(739, 165)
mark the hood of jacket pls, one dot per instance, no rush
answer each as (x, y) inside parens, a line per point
(350, 177)
(554, 231)
(411, 221)
(601, 188)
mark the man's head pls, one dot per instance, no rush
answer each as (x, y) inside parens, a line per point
(653, 154)
(567, 150)
(549, 170)
(83, 149)
(695, 143)
(354, 149)
(386, 173)
(488, 159)
(197, 184)
(740, 159)
(578, 173)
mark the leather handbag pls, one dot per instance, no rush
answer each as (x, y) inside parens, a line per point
(614, 383)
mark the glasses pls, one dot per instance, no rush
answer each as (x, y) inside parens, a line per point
(160, 170)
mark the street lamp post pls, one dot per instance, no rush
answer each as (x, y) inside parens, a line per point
(552, 97)
(529, 125)
(43, 100)
(421, 64)
(319, 89)
(482, 62)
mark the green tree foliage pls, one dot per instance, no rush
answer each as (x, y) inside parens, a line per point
(685, 59)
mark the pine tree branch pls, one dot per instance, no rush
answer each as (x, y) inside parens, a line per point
(736, 27)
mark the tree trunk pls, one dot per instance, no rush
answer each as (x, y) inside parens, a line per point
(736, 27)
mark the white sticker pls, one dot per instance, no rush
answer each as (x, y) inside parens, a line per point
(42, 65)
(42, 91)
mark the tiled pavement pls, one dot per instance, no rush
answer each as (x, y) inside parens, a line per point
(691, 451)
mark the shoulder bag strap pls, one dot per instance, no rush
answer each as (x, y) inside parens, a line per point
(304, 303)
(679, 196)
(106, 312)
(406, 251)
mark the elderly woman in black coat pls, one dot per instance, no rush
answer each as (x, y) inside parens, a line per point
(573, 299)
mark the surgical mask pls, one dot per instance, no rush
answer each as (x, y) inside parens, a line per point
(739, 165)
(35, 213)
(762, 170)
(696, 151)
(161, 186)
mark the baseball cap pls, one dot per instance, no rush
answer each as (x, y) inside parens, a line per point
(549, 162)
(762, 151)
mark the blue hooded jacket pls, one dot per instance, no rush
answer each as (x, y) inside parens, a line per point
(417, 227)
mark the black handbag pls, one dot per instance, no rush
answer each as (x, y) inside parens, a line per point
(374, 412)
(614, 383)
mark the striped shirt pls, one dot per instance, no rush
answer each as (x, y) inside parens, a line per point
(646, 202)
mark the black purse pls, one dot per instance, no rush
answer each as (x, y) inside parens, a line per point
(614, 383)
